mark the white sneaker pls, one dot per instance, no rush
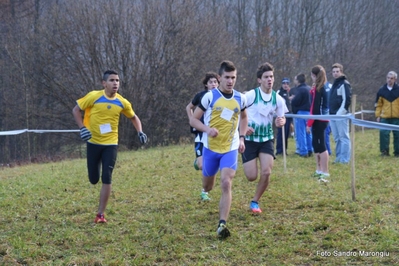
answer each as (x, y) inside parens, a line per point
(204, 196)
(323, 177)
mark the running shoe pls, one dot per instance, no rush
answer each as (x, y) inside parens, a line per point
(255, 207)
(204, 196)
(323, 178)
(195, 164)
(222, 231)
(316, 174)
(100, 218)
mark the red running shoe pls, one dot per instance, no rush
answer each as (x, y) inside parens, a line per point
(100, 218)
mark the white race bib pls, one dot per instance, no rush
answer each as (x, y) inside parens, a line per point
(263, 110)
(226, 114)
(105, 128)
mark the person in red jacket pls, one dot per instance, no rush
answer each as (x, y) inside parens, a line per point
(319, 106)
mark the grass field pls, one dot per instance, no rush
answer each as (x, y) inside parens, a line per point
(155, 216)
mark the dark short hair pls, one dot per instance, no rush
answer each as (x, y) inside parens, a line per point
(108, 73)
(208, 76)
(264, 68)
(301, 78)
(226, 66)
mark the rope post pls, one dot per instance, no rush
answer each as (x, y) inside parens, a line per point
(353, 180)
(361, 114)
(284, 155)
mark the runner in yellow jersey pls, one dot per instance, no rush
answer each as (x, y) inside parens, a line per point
(223, 109)
(99, 128)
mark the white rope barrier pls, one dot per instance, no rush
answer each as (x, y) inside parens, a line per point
(17, 132)
(357, 122)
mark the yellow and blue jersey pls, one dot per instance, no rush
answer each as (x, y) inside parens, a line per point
(101, 116)
(223, 114)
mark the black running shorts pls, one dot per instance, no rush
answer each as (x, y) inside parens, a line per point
(101, 156)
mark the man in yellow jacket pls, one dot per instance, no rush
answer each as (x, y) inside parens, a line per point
(387, 111)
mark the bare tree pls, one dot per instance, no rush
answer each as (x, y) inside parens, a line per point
(54, 53)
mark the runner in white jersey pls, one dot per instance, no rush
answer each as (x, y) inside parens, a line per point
(223, 110)
(263, 103)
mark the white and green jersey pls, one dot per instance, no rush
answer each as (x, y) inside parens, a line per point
(260, 111)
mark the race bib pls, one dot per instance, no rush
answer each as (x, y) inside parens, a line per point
(105, 128)
(226, 114)
(263, 110)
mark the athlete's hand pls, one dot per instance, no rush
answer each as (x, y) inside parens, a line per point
(212, 132)
(250, 130)
(85, 134)
(280, 121)
(142, 137)
(241, 147)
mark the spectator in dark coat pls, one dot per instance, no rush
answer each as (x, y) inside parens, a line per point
(284, 92)
(300, 104)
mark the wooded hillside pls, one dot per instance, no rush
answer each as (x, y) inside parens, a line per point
(53, 52)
